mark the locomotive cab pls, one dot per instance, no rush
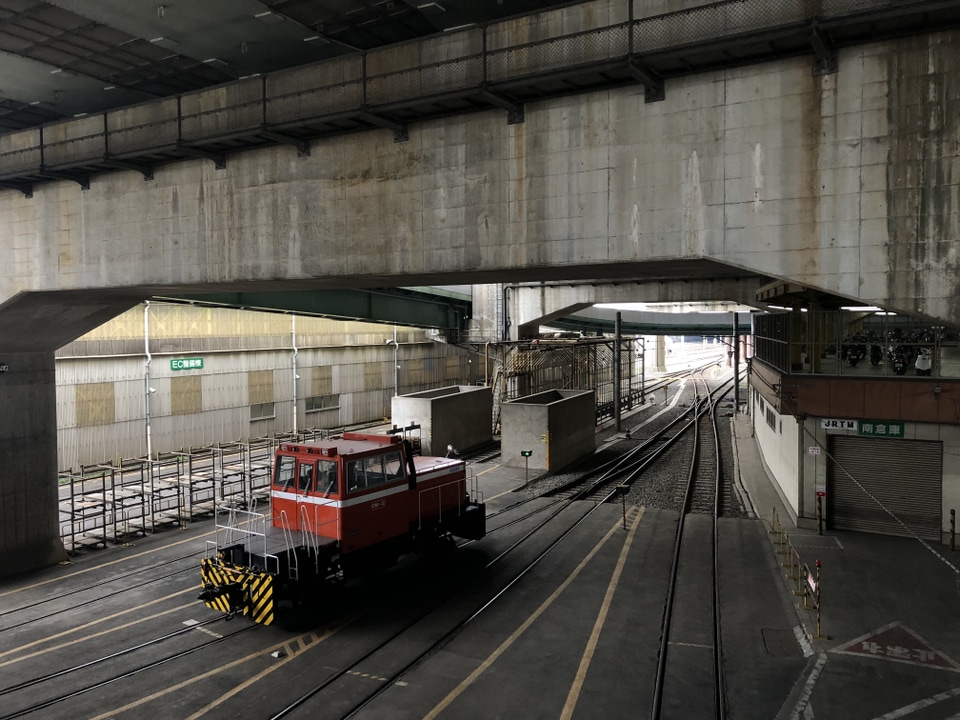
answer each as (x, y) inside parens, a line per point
(352, 502)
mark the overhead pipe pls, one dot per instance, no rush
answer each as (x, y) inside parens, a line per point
(147, 390)
(293, 335)
(617, 371)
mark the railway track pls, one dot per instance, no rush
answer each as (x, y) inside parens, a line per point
(599, 484)
(689, 679)
(541, 524)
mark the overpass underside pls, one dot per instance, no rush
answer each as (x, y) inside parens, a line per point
(716, 143)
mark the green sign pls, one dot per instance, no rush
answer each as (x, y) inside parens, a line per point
(880, 428)
(186, 364)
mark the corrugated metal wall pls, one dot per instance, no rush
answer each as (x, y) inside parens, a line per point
(101, 386)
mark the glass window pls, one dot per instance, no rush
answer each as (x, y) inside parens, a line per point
(261, 411)
(306, 477)
(316, 403)
(327, 477)
(393, 464)
(283, 477)
(365, 473)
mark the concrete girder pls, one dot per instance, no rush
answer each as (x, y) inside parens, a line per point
(530, 306)
(585, 188)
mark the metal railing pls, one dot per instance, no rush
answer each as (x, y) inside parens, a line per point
(254, 106)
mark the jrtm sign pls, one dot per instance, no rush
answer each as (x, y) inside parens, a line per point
(186, 364)
(831, 424)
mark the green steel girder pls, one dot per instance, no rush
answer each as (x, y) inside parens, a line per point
(412, 308)
(608, 327)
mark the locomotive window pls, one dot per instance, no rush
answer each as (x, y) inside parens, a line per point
(365, 473)
(306, 477)
(326, 477)
(284, 475)
(393, 463)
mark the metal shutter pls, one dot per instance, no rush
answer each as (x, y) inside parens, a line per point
(904, 475)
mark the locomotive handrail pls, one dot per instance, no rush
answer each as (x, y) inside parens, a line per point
(293, 572)
(311, 542)
(245, 534)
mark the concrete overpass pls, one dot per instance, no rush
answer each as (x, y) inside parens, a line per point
(846, 183)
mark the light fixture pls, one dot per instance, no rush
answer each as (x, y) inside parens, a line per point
(152, 390)
(165, 42)
(316, 40)
(268, 17)
(56, 70)
(431, 8)
(215, 62)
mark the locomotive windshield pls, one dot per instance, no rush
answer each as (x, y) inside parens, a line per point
(283, 479)
(313, 476)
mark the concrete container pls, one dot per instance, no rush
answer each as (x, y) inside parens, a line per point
(557, 427)
(459, 415)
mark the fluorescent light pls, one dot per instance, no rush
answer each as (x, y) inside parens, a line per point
(270, 18)
(215, 62)
(431, 8)
(316, 40)
(861, 308)
(56, 70)
(165, 42)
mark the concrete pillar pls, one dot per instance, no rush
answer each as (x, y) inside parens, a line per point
(659, 356)
(29, 512)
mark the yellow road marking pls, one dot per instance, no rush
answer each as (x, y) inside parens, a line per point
(306, 641)
(585, 661)
(209, 673)
(125, 558)
(505, 645)
(91, 624)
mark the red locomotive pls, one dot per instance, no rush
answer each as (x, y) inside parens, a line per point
(339, 505)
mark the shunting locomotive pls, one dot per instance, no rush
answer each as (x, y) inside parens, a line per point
(337, 506)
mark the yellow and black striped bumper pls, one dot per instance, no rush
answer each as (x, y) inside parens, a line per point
(237, 590)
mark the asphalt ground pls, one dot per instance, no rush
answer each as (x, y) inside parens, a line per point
(575, 637)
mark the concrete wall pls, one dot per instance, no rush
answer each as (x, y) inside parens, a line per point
(778, 448)
(768, 168)
(461, 416)
(557, 426)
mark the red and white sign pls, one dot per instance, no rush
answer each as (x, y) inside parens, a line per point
(899, 644)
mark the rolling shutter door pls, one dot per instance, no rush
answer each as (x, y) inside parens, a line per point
(904, 475)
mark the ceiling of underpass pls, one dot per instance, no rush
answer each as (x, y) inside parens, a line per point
(61, 58)
(64, 58)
